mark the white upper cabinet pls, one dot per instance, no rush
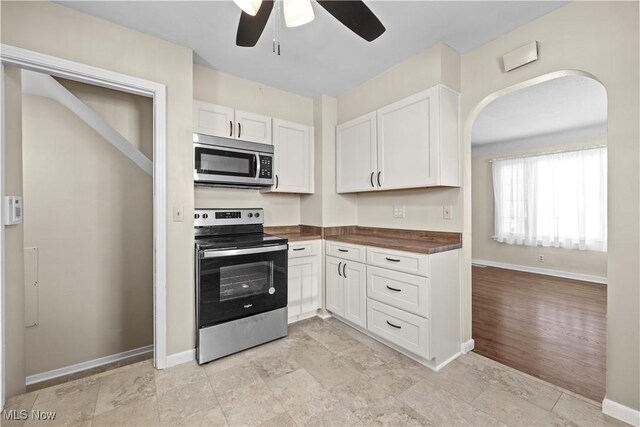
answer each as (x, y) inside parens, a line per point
(293, 162)
(217, 120)
(212, 119)
(356, 154)
(414, 144)
(253, 127)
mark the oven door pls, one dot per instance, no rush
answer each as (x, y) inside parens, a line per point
(236, 283)
(225, 165)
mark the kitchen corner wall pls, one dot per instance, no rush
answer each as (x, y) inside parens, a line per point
(325, 207)
(225, 89)
(438, 64)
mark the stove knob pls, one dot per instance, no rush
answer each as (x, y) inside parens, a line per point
(205, 216)
(250, 215)
(257, 214)
(196, 216)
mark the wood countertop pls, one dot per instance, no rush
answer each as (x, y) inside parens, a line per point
(296, 233)
(419, 241)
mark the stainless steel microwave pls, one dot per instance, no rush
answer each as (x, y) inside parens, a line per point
(224, 162)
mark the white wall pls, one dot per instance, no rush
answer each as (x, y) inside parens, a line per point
(89, 211)
(599, 38)
(485, 248)
(225, 89)
(423, 207)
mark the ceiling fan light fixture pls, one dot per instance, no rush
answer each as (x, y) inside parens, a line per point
(249, 7)
(297, 12)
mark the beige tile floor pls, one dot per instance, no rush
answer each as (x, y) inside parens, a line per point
(323, 374)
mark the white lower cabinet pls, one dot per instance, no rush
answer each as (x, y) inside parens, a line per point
(409, 301)
(401, 328)
(346, 289)
(304, 279)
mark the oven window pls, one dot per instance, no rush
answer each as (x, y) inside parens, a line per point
(222, 162)
(241, 281)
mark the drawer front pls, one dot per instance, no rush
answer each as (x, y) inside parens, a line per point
(401, 290)
(404, 329)
(346, 251)
(407, 262)
(302, 249)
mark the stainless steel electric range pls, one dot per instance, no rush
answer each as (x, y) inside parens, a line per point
(241, 282)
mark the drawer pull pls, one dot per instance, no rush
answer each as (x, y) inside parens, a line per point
(392, 260)
(394, 289)
(343, 250)
(298, 249)
(393, 326)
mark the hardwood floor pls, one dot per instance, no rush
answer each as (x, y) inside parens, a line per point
(548, 327)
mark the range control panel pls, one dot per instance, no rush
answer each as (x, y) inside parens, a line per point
(266, 166)
(212, 217)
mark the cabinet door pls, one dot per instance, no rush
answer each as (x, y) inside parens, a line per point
(212, 119)
(407, 141)
(294, 289)
(356, 157)
(333, 285)
(293, 157)
(355, 293)
(253, 127)
(310, 284)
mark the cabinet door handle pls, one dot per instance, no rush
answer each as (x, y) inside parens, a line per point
(299, 249)
(379, 185)
(392, 260)
(239, 129)
(339, 265)
(394, 289)
(344, 270)
(277, 181)
(230, 128)
(393, 326)
(371, 179)
(343, 250)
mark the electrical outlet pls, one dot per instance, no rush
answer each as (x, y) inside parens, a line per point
(398, 211)
(178, 214)
(540, 258)
(447, 212)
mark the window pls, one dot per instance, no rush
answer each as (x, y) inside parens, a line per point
(557, 199)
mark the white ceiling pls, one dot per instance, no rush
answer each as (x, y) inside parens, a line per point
(572, 105)
(322, 57)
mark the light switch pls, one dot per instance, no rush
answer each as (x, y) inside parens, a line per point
(178, 214)
(447, 212)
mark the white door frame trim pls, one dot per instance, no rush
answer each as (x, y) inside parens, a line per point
(35, 61)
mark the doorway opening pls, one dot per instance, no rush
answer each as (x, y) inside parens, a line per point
(17, 58)
(539, 232)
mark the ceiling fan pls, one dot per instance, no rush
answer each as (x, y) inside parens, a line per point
(354, 14)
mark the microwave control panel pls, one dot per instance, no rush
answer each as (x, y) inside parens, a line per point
(266, 167)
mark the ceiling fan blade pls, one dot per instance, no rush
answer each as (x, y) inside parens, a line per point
(356, 16)
(250, 27)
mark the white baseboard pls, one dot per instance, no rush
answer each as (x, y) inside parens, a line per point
(180, 358)
(621, 412)
(467, 346)
(32, 379)
(545, 271)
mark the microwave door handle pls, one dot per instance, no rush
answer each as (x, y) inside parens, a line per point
(256, 165)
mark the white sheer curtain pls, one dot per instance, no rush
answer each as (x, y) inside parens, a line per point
(557, 199)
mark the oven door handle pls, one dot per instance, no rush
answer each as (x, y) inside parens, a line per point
(248, 251)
